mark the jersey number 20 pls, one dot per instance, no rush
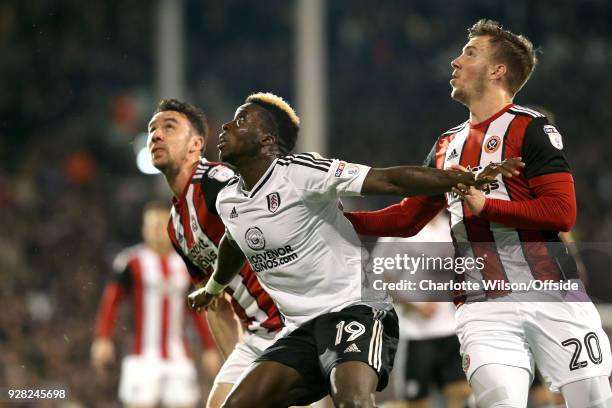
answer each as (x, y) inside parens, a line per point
(591, 342)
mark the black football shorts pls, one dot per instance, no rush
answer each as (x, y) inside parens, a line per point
(356, 333)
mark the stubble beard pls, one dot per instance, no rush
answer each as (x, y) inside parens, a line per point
(466, 97)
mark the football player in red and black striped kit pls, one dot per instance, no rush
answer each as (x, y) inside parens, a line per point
(177, 136)
(514, 225)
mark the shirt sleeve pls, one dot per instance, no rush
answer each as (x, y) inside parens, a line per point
(317, 178)
(122, 273)
(114, 291)
(212, 182)
(404, 219)
(542, 150)
(552, 209)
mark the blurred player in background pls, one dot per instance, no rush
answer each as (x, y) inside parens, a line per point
(428, 356)
(282, 212)
(177, 136)
(514, 225)
(159, 369)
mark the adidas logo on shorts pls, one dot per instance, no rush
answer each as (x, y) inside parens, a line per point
(352, 349)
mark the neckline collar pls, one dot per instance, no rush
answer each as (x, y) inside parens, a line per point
(492, 118)
(262, 180)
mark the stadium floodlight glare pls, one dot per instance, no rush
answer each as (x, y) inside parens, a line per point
(143, 156)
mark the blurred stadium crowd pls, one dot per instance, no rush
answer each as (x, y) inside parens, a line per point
(77, 86)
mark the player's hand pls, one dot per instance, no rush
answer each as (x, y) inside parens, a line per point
(102, 353)
(200, 299)
(507, 168)
(474, 198)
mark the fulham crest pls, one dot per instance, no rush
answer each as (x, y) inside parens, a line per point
(274, 201)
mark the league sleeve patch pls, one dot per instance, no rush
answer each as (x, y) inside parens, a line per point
(554, 136)
(340, 168)
(221, 173)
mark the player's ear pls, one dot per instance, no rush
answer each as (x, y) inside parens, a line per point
(267, 138)
(498, 71)
(196, 144)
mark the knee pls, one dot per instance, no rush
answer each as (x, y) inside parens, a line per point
(354, 401)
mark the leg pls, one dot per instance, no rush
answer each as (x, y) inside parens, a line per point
(571, 349)
(588, 393)
(218, 394)
(268, 384)
(353, 385)
(356, 349)
(500, 386)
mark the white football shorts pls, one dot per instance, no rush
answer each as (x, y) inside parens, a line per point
(151, 381)
(244, 354)
(565, 339)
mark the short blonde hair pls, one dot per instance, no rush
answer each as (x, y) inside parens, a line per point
(285, 123)
(513, 50)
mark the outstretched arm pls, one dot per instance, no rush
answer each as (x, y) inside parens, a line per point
(403, 219)
(229, 263)
(419, 180)
(552, 208)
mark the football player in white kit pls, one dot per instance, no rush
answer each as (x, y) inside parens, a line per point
(282, 215)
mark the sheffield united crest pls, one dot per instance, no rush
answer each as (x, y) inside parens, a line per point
(274, 201)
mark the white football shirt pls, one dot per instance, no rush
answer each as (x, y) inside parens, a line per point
(305, 253)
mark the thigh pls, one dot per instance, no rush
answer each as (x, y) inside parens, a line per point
(358, 334)
(140, 381)
(217, 394)
(353, 382)
(589, 392)
(496, 385)
(268, 384)
(568, 342)
(237, 362)
(492, 333)
(298, 351)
